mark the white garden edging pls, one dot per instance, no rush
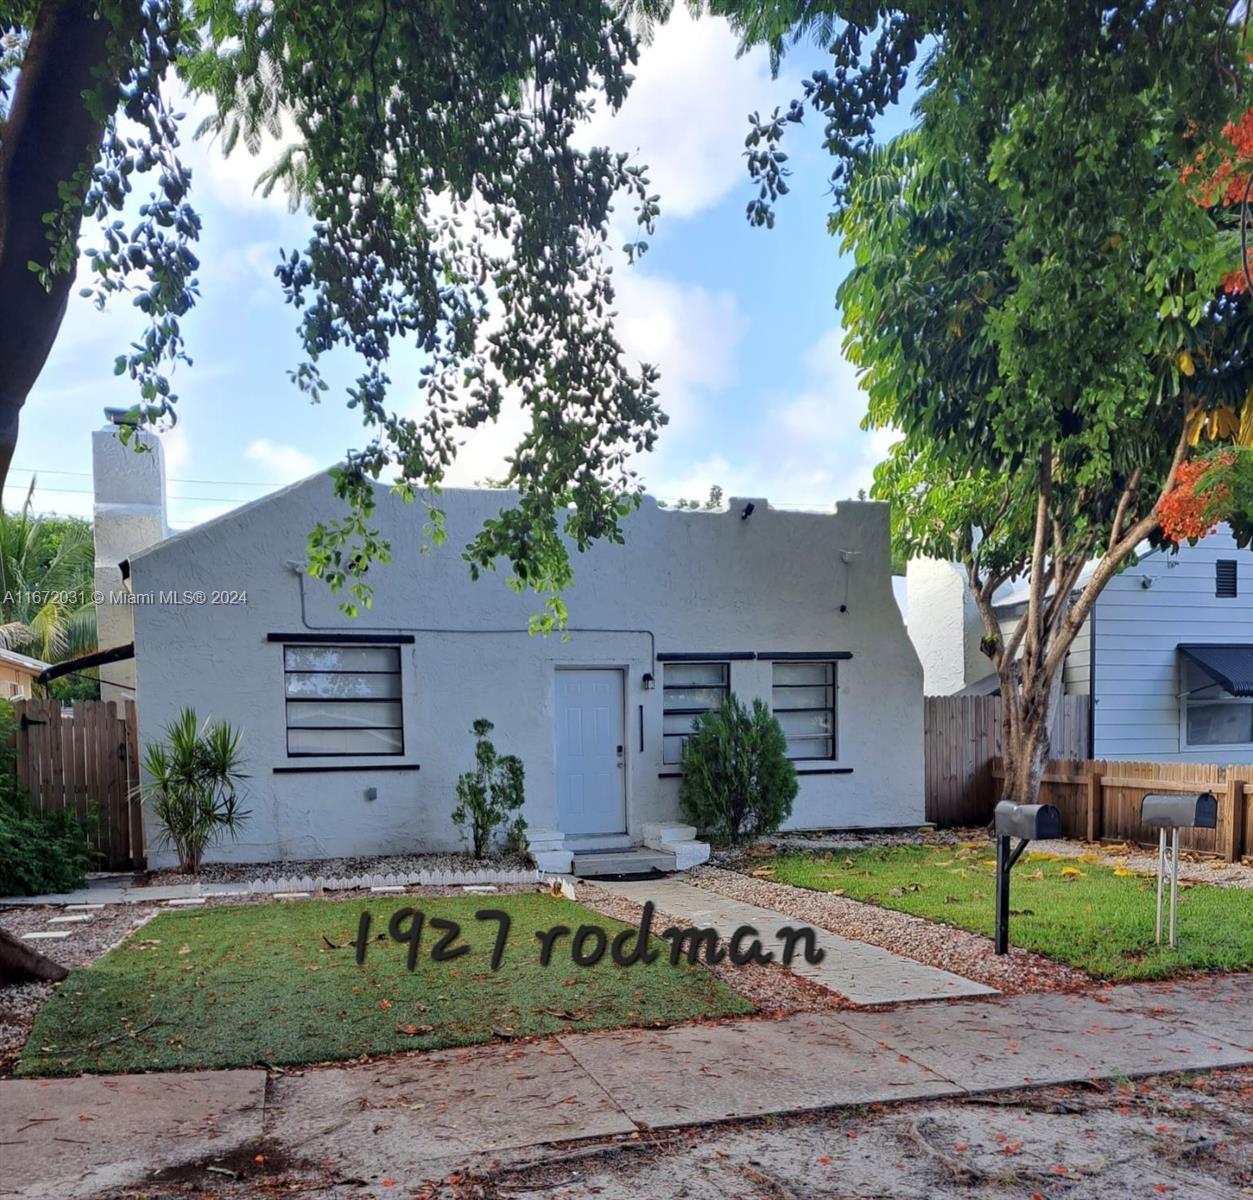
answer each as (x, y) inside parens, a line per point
(314, 883)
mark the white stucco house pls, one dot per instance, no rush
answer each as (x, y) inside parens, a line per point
(356, 729)
(1166, 655)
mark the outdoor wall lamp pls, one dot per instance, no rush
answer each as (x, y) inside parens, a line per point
(648, 681)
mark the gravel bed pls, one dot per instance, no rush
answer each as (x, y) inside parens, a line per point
(342, 868)
(20, 1002)
(734, 858)
(1195, 868)
(771, 988)
(967, 954)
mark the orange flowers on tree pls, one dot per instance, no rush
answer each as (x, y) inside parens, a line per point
(1200, 498)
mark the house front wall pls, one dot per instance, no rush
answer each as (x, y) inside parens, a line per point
(682, 583)
(1140, 619)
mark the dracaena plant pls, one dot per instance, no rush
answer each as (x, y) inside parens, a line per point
(192, 782)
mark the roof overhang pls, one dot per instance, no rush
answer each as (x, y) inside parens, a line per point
(1229, 664)
(97, 658)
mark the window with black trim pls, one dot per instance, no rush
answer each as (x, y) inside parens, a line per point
(803, 699)
(1225, 578)
(690, 688)
(342, 700)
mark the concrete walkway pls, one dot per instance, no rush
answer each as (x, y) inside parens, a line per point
(864, 973)
(417, 1118)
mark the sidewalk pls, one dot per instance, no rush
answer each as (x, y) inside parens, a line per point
(420, 1117)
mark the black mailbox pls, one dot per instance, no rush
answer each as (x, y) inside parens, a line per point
(1028, 823)
(1034, 822)
(1180, 811)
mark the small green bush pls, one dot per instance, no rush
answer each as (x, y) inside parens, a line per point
(193, 785)
(39, 852)
(738, 781)
(488, 795)
(42, 852)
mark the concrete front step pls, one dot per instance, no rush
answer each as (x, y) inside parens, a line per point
(639, 860)
(594, 843)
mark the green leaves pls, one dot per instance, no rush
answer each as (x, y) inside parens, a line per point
(488, 795)
(431, 147)
(738, 781)
(192, 781)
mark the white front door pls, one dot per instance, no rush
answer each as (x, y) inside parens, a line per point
(591, 773)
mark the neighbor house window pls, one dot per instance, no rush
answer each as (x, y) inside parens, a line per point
(1212, 715)
(343, 700)
(803, 699)
(690, 688)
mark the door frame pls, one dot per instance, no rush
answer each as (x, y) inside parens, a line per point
(623, 671)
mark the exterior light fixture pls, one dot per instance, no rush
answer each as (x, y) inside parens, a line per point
(748, 511)
(648, 681)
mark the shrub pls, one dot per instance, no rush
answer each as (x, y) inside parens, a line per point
(39, 852)
(488, 795)
(193, 786)
(42, 852)
(738, 781)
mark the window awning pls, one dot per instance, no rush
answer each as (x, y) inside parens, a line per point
(1230, 665)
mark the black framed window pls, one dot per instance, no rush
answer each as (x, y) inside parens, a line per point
(342, 700)
(803, 699)
(690, 688)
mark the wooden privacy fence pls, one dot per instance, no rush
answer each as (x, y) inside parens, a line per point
(86, 760)
(961, 737)
(1100, 801)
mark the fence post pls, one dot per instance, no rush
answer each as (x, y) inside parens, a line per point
(1235, 813)
(1094, 801)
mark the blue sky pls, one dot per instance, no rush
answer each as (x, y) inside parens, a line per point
(741, 321)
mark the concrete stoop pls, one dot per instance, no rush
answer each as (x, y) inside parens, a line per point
(663, 847)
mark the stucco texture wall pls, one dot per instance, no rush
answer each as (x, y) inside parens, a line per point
(681, 583)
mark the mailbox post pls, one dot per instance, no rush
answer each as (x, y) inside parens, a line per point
(1174, 812)
(1028, 822)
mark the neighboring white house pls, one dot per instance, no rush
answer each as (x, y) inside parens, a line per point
(1166, 655)
(356, 730)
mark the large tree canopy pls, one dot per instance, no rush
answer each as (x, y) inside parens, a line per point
(1037, 301)
(431, 145)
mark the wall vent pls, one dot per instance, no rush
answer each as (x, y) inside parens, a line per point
(1225, 578)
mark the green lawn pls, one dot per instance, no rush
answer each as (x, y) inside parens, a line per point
(231, 987)
(1073, 910)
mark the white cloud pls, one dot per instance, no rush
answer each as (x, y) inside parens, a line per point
(692, 335)
(686, 114)
(806, 450)
(175, 450)
(232, 179)
(282, 463)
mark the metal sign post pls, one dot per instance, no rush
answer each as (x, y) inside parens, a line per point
(1174, 812)
(1027, 822)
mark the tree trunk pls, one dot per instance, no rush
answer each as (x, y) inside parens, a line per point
(20, 964)
(49, 139)
(1026, 739)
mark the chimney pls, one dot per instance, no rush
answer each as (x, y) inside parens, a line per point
(944, 625)
(129, 516)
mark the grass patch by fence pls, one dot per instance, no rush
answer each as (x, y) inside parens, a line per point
(279, 983)
(1093, 916)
